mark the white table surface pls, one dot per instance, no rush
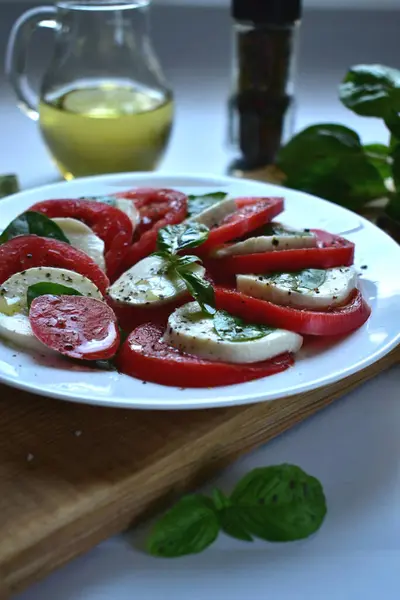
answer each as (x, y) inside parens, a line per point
(353, 447)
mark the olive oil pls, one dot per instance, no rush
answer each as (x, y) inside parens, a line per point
(106, 129)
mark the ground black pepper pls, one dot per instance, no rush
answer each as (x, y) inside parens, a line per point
(261, 103)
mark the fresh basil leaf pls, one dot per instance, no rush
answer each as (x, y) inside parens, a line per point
(378, 156)
(187, 528)
(371, 91)
(319, 145)
(201, 289)
(232, 523)
(351, 182)
(33, 223)
(188, 260)
(175, 238)
(393, 207)
(288, 280)
(311, 279)
(8, 185)
(196, 204)
(46, 287)
(109, 200)
(393, 124)
(279, 504)
(233, 329)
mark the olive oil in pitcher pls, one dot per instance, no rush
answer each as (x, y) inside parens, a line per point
(106, 129)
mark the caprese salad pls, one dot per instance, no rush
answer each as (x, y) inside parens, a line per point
(187, 291)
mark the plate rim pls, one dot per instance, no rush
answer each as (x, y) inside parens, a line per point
(141, 403)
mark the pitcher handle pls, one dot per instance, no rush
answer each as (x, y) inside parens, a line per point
(17, 51)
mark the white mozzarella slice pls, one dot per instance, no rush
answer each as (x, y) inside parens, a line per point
(83, 238)
(129, 208)
(212, 216)
(191, 331)
(14, 321)
(311, 288)
(148, 283)
(286, 239)
(13, 291)
(16, 330)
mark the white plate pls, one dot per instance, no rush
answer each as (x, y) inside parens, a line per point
(318, 364)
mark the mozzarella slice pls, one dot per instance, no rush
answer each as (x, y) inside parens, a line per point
(14, 321)
(126, 206)
(83, 238)
(148, 283)
(17, 330)
(332, 287)
(212, 216)
(129, 208)
(192, 332)
(14, 290)
(280, 239)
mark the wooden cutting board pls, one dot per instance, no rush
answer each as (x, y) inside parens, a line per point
(73, 475)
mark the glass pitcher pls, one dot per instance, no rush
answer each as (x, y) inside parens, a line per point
(104, 105)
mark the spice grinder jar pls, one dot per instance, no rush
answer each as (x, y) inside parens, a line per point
(261, 107)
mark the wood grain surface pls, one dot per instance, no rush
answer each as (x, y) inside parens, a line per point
(73, 475)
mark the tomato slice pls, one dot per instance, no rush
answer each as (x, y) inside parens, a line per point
(111, 224)
(158, 208)
(76, 326)
(146, 356)
(252, 213)
(339, 321)
(331, 251)
(26, 251)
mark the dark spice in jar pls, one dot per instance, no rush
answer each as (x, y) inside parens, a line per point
(261, 106)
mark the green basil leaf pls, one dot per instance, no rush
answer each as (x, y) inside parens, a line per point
(234, 329)
(33, 223)
(317, 147)
(175, 238)
(393, 207)
(231, 522)
(311, 279)
(396, 167)
(46, 287)
(201, 289)
(189, 527)
(8, 185)
(188, 260)
(371, 91)
(328, 160)
(378, 156)
(196, 204)
(279, 504)
(393, 124)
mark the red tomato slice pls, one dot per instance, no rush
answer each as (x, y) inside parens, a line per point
(339, 321)
(332, 251)
(28, 251)
(144, 355)
(252, 213)
(111, 224)
(76, 326)
(158, 208)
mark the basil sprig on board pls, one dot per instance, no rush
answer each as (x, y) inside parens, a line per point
(33, 223)
(8, 185)
(196, 204)
(47, 287)
(175, 238)
(329, 160)
(276, 504)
